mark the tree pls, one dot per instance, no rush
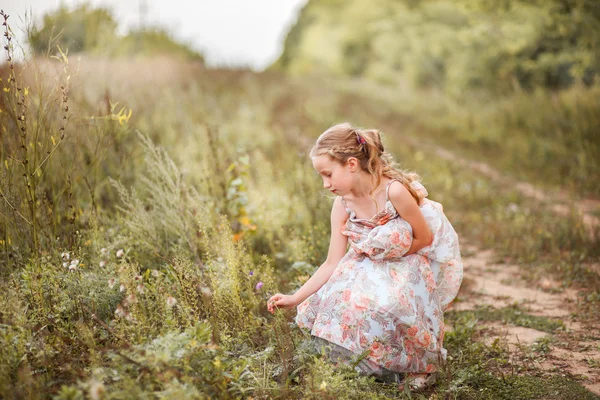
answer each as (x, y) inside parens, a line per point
(81, 29)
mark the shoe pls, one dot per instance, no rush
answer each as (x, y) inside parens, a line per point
(418, 381)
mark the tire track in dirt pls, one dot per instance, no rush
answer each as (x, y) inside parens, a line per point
(574, 351)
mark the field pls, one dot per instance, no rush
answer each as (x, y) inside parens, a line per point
(150, 207)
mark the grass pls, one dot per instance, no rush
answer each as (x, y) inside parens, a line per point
(214, 195)
(512, 315)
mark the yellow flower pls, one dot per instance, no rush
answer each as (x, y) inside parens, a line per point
(245, 221)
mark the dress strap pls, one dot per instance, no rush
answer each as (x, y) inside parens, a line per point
(344, 202)
(387, 189)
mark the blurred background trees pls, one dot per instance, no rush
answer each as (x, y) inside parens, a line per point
(453, 45)
(94, 30)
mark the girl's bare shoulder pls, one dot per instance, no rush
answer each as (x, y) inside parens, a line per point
(397, 192)
(338, 210)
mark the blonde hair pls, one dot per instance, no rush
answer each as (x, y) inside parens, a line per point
(343, 141)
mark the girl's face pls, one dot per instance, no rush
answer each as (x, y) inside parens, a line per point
(336, 177)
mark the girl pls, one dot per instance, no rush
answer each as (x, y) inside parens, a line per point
(385, 296)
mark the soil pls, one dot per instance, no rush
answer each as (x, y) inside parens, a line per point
(574, 351)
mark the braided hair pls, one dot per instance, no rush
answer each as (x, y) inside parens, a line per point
(343, 141)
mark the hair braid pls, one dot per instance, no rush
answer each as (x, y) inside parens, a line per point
(343, 141)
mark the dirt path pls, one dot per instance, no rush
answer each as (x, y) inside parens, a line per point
(560, 202)
(574, 351)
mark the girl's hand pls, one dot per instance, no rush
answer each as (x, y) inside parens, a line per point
(281, 301)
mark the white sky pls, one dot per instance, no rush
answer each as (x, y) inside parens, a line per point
(228, 32)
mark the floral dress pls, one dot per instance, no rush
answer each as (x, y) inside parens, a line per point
(385, 305)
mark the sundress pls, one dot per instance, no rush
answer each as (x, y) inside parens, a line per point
(383, 305)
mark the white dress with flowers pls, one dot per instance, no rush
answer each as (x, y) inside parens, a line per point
(384, 303)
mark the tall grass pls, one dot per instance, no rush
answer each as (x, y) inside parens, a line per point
(545, 137)
(154, 251)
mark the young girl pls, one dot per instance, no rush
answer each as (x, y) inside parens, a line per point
(385, 296)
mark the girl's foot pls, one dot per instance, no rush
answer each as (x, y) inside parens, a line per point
(418, 381)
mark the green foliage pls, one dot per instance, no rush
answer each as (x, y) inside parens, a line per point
(155, 42)
(516, 316)
(451, 45)
(216, 196)
(478, 371)
(82, 29)
(167, 217)
(94, 30)
(545, 137)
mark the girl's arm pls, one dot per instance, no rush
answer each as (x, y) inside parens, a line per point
(337, 249)
(409, 210)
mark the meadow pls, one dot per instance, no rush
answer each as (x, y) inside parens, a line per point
(150, 206)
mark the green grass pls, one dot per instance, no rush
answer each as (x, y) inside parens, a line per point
(511, 315)
(216, 195)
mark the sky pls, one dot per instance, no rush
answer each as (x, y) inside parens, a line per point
(227, 32)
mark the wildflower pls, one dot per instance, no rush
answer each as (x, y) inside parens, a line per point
(259, 285)
(120, 253)
(102, 264)
(140, 288)
(120, 312)
(96, 390)
(122, 288)
(65, 264)
(72, 267)
(138, 278)
(75, 262)
(205, 291)
(131, 299)
(171, 301)
(104, 251)
(111, 282)
(65, 256)
(251, 273)
(155, 273)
